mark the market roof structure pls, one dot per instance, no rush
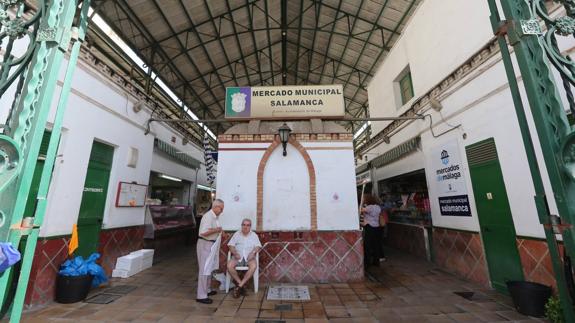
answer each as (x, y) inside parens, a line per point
(200, 47)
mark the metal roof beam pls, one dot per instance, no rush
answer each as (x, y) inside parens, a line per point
(347, 41)
(182, 47)
(357, 17)
(210, 20)
(284, 41)
(269, 40)
(360, 81)
(121, 4)
(317, 12)
(339, 61)
(238, 43)
(217, 68)
(219, 41)
(405, 14)
(329, 40)
(220, 37)
(301, 12)
(251, 17)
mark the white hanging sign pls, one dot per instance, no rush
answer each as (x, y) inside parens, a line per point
(450, 180)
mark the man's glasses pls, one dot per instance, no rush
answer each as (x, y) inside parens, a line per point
(246, 225)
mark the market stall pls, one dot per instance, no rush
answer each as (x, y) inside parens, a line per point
(167, 226)
(406, 200)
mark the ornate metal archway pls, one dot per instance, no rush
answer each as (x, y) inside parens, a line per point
(47, 29)
(537, 55)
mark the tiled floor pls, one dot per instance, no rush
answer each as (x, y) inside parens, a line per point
(403, 289)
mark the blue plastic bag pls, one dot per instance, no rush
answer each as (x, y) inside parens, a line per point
(96, 270)
(9, 256)
(80, 266)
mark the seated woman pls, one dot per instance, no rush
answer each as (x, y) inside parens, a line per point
(244, 245)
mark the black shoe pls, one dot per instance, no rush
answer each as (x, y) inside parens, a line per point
(204, 300)
(212, 293)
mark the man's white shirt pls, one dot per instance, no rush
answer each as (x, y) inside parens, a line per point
(244, 244)
(209, 221)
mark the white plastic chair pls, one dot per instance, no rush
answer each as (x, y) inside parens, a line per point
(244, 268)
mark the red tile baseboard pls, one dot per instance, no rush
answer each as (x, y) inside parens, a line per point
(312, 257)
(50, 253)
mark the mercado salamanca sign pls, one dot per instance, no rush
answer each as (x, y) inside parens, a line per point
(280, 102)
(449, 180)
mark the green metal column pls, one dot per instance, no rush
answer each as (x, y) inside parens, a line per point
(555, 134)
(20, 143)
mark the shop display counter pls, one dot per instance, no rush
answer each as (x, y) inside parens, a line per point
(410, 230)
(169, 226)
(410, 216)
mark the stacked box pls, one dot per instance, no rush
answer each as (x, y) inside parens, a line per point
(147, 257)
(128, 265)
(133, 263)
(121, 273)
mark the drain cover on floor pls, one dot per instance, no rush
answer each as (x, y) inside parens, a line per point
(102, 299)
(288, 293)
(120, 289)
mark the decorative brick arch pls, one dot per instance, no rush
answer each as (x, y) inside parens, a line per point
(311, 172)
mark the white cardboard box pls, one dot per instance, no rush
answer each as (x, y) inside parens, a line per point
(132, 263)
(147, 263)
(146, 253)
(121, 273)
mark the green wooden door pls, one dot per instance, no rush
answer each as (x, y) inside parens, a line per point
(497, 229)
(94, 198)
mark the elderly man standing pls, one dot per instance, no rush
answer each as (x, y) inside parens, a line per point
(208, 233)
(244, 246)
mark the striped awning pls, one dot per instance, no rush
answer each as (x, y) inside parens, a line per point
(397, 153)
(362, 168)
(176, 155)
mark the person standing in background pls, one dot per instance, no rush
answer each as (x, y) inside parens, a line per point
(208, 233)
(372, 233)
(386, 206)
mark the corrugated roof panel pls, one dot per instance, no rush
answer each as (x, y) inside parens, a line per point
(211, 44)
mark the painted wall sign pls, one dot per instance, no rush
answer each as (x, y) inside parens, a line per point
(280, 102)
(450, 180)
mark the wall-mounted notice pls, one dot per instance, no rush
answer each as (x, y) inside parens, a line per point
(281, 102)
(450, 180)
(131, 195)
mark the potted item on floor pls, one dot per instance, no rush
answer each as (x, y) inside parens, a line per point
(72, 289)
(529, 298)
(76, 277)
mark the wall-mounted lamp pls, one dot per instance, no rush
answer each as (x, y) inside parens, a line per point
(284, 132)
(435, 104)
